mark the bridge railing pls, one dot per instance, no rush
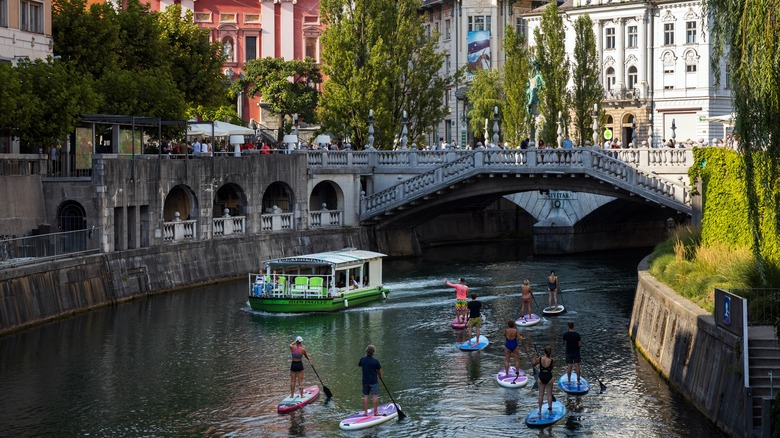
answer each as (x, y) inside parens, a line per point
(326, 218)
(276, 221)
(179, 230)
(578, 160)
(229, 225)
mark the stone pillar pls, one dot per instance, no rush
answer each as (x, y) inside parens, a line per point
(642, 67)
(620, 54)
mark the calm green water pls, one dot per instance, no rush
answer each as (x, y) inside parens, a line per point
(199, 362)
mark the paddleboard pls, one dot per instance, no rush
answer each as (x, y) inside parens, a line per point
(292, 403)
(547, 418)
(512, 380)
(554, 310)
(386, 412)
(528, 320)
(473, 345)
(458, 325)
(573, 388)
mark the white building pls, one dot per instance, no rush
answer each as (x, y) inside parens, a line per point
(655, 58)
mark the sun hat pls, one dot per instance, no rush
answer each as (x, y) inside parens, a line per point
(299, 339)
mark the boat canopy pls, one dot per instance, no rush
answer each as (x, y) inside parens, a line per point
(337, 259)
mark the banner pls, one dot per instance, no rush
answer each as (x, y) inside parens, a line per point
(479, 51)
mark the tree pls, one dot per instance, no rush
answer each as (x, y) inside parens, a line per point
(87, 38)
(747, 34)
(378, 56)
(9, 98)
(587, 89)
(54, 97)
(485, 94)
(554, 65)
(145, 93)
(517, 71)
(286, 87)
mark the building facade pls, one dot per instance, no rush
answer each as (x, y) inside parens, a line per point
(654, 56)
(25, 32)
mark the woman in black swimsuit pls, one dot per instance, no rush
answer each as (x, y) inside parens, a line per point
(546, 364)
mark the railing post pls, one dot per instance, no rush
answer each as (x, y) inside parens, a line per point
(530, 156)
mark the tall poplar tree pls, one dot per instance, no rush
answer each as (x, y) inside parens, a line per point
(554, 65)
(377, 55)
(485, 94)
(516, 74)
(587, 89)
(747, 34)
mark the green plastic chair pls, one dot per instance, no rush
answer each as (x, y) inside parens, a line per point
(315, 287)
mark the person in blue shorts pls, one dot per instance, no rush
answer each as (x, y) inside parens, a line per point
(372, 372)
(511, 347)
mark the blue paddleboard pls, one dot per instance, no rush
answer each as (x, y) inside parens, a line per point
(473, 345)
(547, 418)
(575, 389)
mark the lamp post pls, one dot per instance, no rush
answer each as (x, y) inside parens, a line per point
(404, 132)
(295, 123)
(560, 130)
(633, 132)
(674, 134)
(650, 132)
(595, 124)
(495, 127)
(371, 129)
(486, 131)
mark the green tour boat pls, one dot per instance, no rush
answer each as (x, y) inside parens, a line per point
(322, 282)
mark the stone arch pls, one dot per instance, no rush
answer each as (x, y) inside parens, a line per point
(232, 197)
(327, 194)
(71, 216)
(279, 195)
(180, 199)
(627, 129)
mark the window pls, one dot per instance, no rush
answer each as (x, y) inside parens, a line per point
(203, 17)
(31, 16)
(690, 32)
(610, 43)
(3, 13)
(668, 34)
(632, 77)
(447, 24)
(311, 48)
(690, 68)
(447, 64)
(479, 22)
(311, 19)
(633, 37)
(251, 18)
(227, 18)
(610, 78)
(520, 27)
(251, 48)
(428, 30)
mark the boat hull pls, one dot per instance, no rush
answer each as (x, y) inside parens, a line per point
(299, 305)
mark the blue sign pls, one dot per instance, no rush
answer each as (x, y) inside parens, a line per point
(726, 310)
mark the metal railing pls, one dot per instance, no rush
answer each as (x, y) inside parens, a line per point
(31, 249)
(763, 305)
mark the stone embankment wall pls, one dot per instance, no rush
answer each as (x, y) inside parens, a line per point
(32, 294)
(684, 344)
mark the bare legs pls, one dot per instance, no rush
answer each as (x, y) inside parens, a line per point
(365, 405)
(296, 376)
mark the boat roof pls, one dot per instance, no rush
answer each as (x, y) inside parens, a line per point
(348, 256)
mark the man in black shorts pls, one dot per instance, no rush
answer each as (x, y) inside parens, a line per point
(573, 347)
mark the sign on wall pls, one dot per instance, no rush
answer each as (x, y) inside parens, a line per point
(728, 311)
(479, 51)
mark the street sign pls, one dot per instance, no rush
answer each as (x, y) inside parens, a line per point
(607, 134)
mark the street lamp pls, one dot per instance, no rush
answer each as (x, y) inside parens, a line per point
(560, 129)
(371, 129)
(674, 134)
(595, 124)
(495, 126)
(295, 123)
(404, 133)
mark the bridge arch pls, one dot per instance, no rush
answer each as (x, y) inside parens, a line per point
(180, 199)
(279, 196)
(230, 196)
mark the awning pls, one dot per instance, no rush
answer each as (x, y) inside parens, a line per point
(220, 129)
(727, 119)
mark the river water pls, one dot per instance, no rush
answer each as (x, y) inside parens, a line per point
(199, 362)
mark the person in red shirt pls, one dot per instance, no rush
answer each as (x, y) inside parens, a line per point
(461, 297)
(265, 149)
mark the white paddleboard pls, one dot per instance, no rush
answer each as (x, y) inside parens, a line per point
(554, 310)
(356, 421)
(528, 320)
(514, 380)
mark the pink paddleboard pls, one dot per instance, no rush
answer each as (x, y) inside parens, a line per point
(457, 325)
(292, 403)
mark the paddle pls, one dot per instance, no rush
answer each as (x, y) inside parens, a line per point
(401, 414)
(324, 388)
(601, 384)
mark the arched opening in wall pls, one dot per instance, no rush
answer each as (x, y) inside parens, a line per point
(72, 217)
(610, 79)
(231, 197)
(628, 130)
(632, 81)
(180, 200)
(326, 196)
(278, 195)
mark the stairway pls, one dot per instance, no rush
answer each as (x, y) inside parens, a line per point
(763, 359)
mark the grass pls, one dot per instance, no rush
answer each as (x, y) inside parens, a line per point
(695, 270)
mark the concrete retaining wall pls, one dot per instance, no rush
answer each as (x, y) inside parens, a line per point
(698, 359)
(34, 294)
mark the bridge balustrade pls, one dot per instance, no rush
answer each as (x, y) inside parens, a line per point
(179, 230)
(226, 226)
(276, 221)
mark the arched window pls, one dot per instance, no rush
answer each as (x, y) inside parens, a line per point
(610, 78)
(632, 77)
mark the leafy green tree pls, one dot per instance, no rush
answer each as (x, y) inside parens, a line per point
(587, 89)
(286, 87)
(55, 96)
(377, 56)
(747, 35)
(554, 65)
(140, 38)
(146, 93)
(516, 74)
(9, 98)
(195, 62)
(86, 36)
(485, 94)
